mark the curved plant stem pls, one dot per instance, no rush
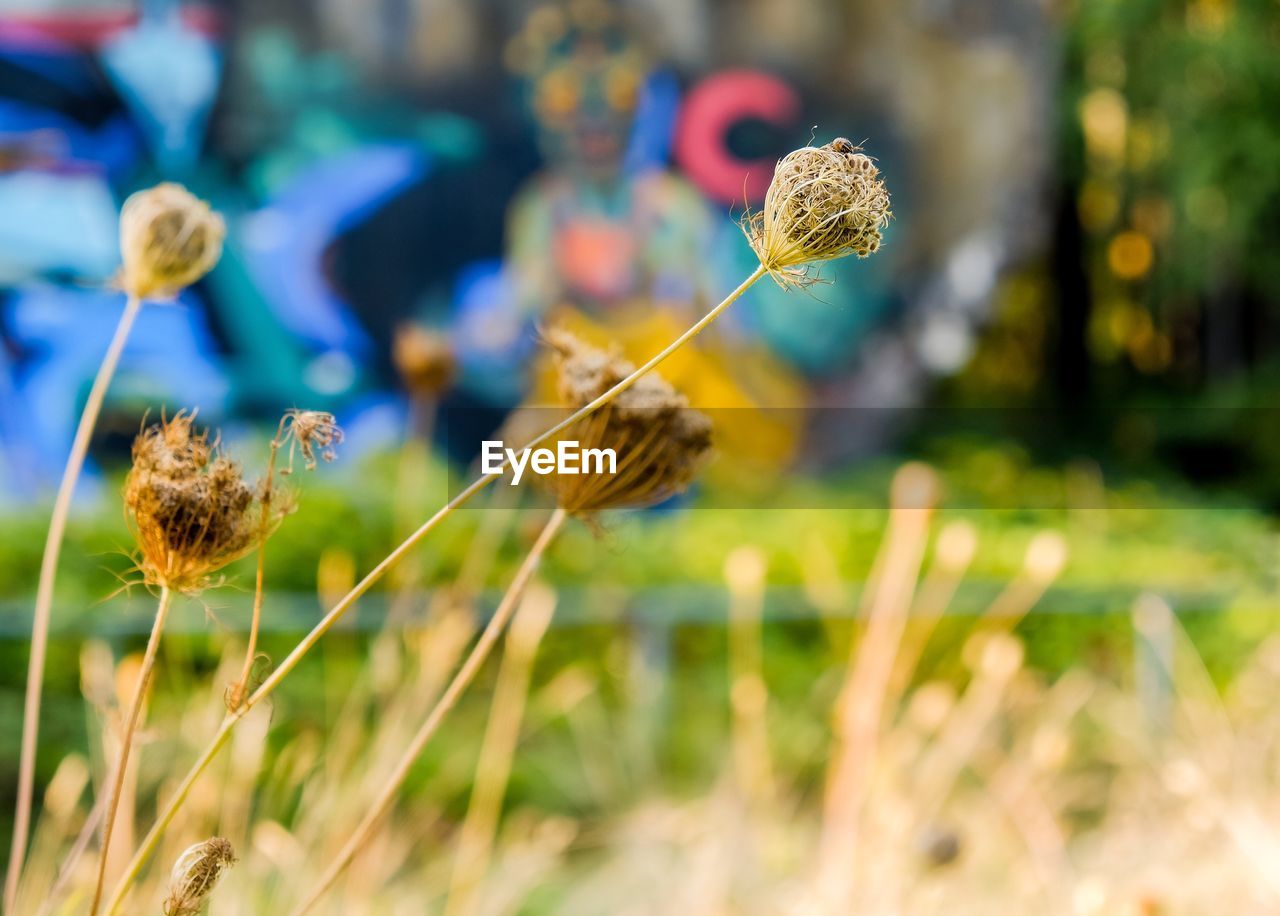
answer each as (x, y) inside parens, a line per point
(44, 596)
(466, 674)
(240, 689)
(126, 740)
(87, 832)
(477, 835)
(348, 601)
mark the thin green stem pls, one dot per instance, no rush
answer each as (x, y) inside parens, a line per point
(349, 600)
(44, 596)
(126, 741)
(241, 687)
(465, 675)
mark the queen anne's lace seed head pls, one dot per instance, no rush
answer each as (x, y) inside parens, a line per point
(195, 875)
(425, 360)
(169, 239)
(824, 202)
(660, 442)
(191, 510)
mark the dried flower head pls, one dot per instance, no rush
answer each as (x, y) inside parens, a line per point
(824, 202)
(312, 432)
(169, 239)
(191, 510)
(195, 875)
(660, 442)
(424, 359)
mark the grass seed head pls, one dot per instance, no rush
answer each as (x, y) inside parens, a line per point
(661, 443)
(424, 359)
(191, 510)
(195, 875)
(169, 239)
(824, 202)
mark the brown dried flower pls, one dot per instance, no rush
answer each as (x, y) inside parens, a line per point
(195, 875)
(424, 359)
(824, 202)
(311, 432)
(169, 239)
(660, 442)
(191, 510)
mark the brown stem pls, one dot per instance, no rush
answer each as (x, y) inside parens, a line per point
(497, 750)
(126, 741)
(447, 701)
(348, 601)
(44, 596)
(240, 690)
(87, 831)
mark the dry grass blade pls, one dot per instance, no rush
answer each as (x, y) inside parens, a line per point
(456, 687)
(476, 838)
(44, 596)
(126, 743)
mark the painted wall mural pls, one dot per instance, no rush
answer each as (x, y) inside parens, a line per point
(354, 205)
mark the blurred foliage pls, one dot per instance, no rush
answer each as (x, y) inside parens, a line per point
(1175, 104)
(661, 571)
(1171, 142)
(1124, 534)
(1161, 287)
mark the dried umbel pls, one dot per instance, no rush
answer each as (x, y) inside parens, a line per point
(195, 875)
(312, 432)
(169, 239)
(660, 442)
(824, 202)
(425, 360)
(191, 510)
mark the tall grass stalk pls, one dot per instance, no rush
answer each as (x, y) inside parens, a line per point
(168, 240)
(126, 741)
(859, 709)
(44, 595)
(952, 553)
(239, 690)
(476, 838)
(392, 559)
(465, 675)
(745, 570)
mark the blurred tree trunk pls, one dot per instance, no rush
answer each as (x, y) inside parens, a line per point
(1069, 359)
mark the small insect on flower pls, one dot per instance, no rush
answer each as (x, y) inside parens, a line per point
(191, 510)
(312, 432)
(195, 875)
(824, 202)
(169, 239)
(424, 359)
(660, 442)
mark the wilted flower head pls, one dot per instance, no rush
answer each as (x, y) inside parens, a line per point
(424, 359)
(312, 432)
(824, 202)
(195, 875)
(660, 442)
(169, 239)
(190, 509)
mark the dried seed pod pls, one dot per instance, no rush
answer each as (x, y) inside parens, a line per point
(195, 875)
(660, 442)
(424, 359)
(169, 239)
(938, 845)
(824, 202)
(312, 432)
(191, 510)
